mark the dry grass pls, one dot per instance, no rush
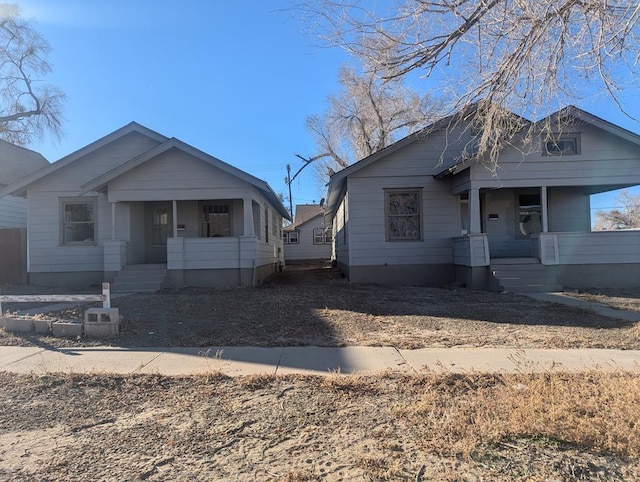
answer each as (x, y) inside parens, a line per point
(318, 307)
(552, 426)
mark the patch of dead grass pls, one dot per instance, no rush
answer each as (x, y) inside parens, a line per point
(550, 426)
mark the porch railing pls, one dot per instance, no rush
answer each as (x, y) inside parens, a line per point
(471, 250)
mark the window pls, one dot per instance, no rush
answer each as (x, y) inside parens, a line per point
(292, 237)
(78, 221)
(318, 236)
(322, 236)
(328, 235)
(529, 215)
(563, 146)
(266, 225)
(403, 213)
(216, 220)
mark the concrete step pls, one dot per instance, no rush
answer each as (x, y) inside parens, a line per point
(509, 261)
(140, 278)
(532, 288)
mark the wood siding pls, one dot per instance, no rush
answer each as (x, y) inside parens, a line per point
(602, 247)
(175, 175)
(43, 196)
(440, 210)
(604, 160)
(306, 249)
(13, 212)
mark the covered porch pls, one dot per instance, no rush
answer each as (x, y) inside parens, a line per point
(212, 242)
(540, 239)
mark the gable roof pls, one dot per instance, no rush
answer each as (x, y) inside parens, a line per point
(305, 213)
(18, 188)
(101, 181)
(338, 180)
(572, 111)
(17, 162)
(562, 116)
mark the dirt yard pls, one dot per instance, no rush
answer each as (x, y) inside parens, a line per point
(550, 427)
(443, 427)
(318, 307)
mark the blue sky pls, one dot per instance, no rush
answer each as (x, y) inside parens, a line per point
(234, 79)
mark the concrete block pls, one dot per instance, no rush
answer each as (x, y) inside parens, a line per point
(66, 329)
(102, 315)
(17, 324)
(101, 330)
(42, 326)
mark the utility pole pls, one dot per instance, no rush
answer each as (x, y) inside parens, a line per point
(289, 184)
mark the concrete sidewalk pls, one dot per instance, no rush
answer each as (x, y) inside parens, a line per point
(237, 361)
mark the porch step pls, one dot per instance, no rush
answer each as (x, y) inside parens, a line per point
(140, 278)
(521, 275)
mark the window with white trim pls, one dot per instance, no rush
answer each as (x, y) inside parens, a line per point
(78, 226)
(322, 236)
(216, 220)
(292, 237)
(403, 211)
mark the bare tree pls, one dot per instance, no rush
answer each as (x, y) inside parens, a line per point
(524, 56)
(627, 216)
(367, 115)
(29, 108)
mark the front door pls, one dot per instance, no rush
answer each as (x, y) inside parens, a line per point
(511, 218)
(158, 227)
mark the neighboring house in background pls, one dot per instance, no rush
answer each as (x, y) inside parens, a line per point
(15, 163)
(136, 197)
(417, 212)
(307, 238)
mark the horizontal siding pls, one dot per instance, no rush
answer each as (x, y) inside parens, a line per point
(175, 175)
(367, 222)
(211, 253)
(604, 159)
(306, 249)
(13, 212)
(72, 176)
(599, 247)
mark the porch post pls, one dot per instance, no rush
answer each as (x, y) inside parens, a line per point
(248, 216)
(543, 206)
(113, 221)
(474, 211)
(175, 218)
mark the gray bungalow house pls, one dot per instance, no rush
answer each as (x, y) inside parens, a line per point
(307, 238)
(136, 199)
(419, 213)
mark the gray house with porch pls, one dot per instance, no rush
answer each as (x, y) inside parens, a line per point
(136, 200)
(419, 213)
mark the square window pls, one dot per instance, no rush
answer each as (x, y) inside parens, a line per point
(404, 215)
(294, 237)
(216, 220)
(78, 222)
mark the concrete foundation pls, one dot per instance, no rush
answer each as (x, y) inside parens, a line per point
(66, 329)
(70, 280)
(101, 322)
(41, 326)
(102, 315)
(17, 324)
(101, 329)
(408, 275)
(476, 277)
